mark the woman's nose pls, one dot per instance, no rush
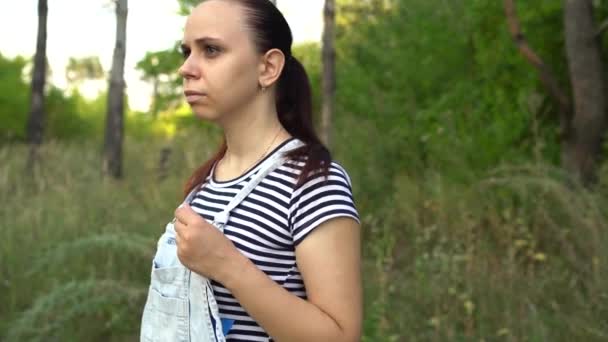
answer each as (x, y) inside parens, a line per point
(188, 69)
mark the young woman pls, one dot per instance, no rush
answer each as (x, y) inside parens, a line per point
(287, 265)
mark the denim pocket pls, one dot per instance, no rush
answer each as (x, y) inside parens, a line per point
(166, 249)
(165, 319)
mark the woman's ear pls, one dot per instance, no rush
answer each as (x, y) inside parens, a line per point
(271, 66)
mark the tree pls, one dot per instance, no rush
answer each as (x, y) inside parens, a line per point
(329, 76)
(583, 124)
(82, 69)
(185, 6)
(35, 125)
(160, 68)
(583, 144)
(112, 159)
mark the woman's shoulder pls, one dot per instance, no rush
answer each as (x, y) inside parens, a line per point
(336, 172)
(320, 197)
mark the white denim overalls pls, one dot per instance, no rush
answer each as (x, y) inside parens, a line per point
(180, 304)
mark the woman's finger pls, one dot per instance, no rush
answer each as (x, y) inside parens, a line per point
(179, 227)
(185, 214)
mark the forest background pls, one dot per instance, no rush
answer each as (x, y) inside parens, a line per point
(472, 131)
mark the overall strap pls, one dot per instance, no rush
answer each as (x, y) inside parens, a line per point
(269, 165)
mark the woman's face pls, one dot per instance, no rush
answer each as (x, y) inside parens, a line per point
(221, 66)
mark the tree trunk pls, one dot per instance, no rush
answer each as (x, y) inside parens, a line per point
(583, 124)
(36, 120)
(582, 148)
(155, 97)
(329, 77)
(112, 162)
(163, 163)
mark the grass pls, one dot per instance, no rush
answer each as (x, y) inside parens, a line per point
(515, 256)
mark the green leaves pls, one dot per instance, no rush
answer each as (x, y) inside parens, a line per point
(14, 96)
(81, 69)
(161, 69)
(445, 84)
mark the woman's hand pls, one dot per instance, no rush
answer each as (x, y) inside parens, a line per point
(201, 247)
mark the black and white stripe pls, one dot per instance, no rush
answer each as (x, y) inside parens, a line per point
(268, 225)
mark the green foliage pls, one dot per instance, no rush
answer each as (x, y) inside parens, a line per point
(470, 233)
(64, 120)
(68, 116)
(60, 314)
(80, 69)
(185, 6)
(160, 68)
(309, 54)
(517, 254)
(90, 240)
(446, 86)
(14, 97)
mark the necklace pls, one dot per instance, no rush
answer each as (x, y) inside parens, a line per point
(263, 155)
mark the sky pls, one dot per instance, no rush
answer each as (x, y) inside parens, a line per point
(79, 28)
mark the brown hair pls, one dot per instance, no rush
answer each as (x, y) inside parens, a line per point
(270, 30)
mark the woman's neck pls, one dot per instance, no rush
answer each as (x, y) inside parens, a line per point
(250, 136)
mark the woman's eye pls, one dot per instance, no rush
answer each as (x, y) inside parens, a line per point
(211, 50)
(185, 53)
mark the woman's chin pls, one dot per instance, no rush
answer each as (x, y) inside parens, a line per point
(204, 114)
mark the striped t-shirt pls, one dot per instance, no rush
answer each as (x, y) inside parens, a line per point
(268, 225)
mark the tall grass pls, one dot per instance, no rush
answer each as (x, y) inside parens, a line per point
(75, 247)
(516, 256)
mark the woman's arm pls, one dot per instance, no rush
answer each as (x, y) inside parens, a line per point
(329, 260)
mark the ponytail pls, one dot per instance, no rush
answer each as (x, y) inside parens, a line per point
(294, 107)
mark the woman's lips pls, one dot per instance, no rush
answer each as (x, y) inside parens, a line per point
(194, 96)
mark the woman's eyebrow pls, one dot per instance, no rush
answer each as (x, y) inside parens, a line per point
(202, 40)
